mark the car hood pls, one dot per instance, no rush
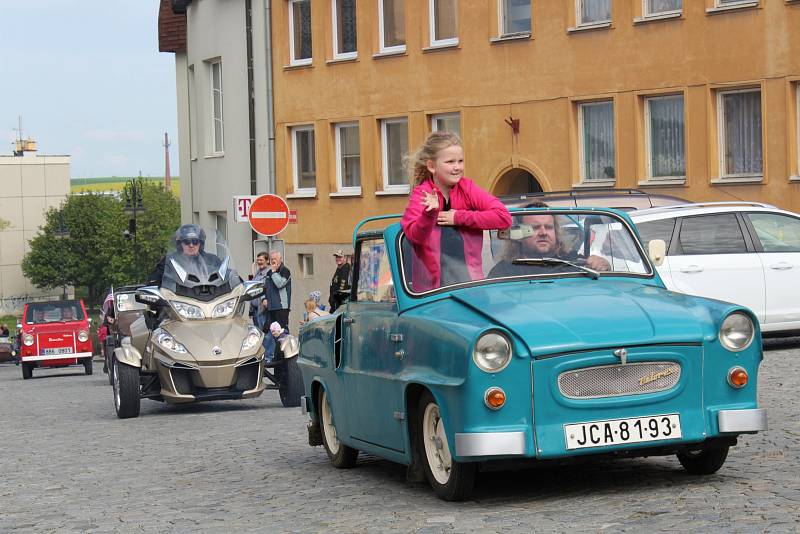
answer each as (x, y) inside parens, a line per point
(55, 328)
(578, 314)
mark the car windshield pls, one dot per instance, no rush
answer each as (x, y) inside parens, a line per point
(539, 243)
(54, 312)
(200, 265)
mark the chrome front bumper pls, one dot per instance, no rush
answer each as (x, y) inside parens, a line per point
(741, 421)
(490, 443)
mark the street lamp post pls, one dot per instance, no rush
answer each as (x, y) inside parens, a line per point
(61, 231)
(134, 203)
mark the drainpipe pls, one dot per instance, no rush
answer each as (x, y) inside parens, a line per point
(270, 99)
(251, 104)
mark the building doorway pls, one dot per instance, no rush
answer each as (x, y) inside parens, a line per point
(517, 182)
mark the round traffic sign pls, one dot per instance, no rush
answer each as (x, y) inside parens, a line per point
(268, 215)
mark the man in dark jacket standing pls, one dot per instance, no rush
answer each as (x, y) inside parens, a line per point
(279, 290)
(340, 283)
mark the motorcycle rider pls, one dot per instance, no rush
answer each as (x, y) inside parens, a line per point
(190, 240)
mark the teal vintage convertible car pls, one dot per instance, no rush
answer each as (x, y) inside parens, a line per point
(568, 345)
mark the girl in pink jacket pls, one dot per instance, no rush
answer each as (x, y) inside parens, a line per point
(446, 216)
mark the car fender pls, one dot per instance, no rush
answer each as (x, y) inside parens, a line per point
(128, 355)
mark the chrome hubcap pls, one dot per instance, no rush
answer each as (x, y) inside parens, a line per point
(436, 448)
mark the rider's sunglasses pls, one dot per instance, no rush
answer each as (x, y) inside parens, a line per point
(192, 242)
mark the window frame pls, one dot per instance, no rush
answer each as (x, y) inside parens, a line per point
(340, 188)
(450, 41)
(582, 148)
(437, 116)
(292, 52)
(581, 24)
(305, 261)
(677, 245)
(721, 134)
(647, 14)
(391, 188)
(648, 138)
(335, 32)
(397, 49)
(216, 150)
(295, 167)
(797, 124)
(502, 19)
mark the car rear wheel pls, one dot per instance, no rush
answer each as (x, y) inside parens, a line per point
(126, 390)
(27, 371)
(290, 383)
(340, 454)
(703, 462)
(450, 479)
(87, 366)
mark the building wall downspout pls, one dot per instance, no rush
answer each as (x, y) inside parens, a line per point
(270, 99)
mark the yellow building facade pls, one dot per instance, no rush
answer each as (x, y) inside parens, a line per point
(693, 98)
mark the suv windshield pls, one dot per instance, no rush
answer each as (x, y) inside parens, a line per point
(539, 243)
(54, 312)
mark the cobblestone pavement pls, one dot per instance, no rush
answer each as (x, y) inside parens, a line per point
(69, 465)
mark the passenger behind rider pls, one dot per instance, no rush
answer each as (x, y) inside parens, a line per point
(546, 242)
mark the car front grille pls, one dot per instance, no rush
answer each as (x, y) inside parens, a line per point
(619, 380)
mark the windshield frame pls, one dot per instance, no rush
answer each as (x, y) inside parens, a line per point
(518, 212)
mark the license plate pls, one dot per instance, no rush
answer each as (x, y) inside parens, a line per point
(622, 431)
(56, 352)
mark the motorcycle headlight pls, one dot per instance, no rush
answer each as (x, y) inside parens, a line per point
(253, 339)
(28, 339)
(224, 309)
(187, 311)
(83, 336)
(168, 342)
(737, 332)
(492, 352)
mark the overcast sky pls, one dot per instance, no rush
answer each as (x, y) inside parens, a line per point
(88, 80)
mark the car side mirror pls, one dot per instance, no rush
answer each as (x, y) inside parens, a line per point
(253, 289)
(89, 320)
(657, 249)
(19, 325)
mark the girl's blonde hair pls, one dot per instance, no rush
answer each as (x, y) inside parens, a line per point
(311, 305)
(416, 163)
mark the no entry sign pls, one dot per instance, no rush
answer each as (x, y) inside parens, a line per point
(269, 215)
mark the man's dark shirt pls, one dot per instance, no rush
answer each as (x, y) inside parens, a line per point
(340, 286)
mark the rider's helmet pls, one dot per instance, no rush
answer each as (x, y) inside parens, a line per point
(190, 231)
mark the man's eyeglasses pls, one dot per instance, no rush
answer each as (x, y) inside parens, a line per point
(192, 242)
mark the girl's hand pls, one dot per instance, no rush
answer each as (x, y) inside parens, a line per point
(446, 218)
(430, 201)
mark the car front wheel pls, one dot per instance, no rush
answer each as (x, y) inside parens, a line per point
(703, 462)
(290, 383)
(87, 366)
(27, 371)
(340, 454)
(126, 390)
(450, 479)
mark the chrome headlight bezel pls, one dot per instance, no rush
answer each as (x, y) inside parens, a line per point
(28, 340)
(731, 334)
(166, 341)
(187, 311)
(83, 336)
(224, 309)
(252, 340)
(492, 351)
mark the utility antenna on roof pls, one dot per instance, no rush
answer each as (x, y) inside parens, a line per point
(23, 146)
(167, 178)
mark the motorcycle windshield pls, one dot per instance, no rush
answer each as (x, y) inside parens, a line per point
(200, 267)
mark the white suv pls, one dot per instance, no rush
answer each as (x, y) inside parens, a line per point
(742, 252)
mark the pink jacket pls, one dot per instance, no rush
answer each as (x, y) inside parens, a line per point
(477, 211)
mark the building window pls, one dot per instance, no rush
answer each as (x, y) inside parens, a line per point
(303, 155)
(394, 141)
(448, 122)
(299, 32)
(192, 105)
(348, 158)
(593, 11)
(344, 29)
(739, 118)
(221, 224)
(392, 25)
(797, 118)
(597, 141)
(721, 3)
(515, 16)
(664, 127)
(306, 262)
(662, 7)
(215, 69)
(444, 22)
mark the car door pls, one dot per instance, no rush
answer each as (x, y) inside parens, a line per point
(372, 369)
(712, 257)
(778, 245)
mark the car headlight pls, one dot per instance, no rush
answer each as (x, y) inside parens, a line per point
(253, 339)
(187, 311)
(492, 352)
(83, 336)
(28, 339)
(224, 309)
(737, 332)
(166, 341)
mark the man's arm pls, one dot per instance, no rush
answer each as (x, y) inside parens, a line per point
(281, 277)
